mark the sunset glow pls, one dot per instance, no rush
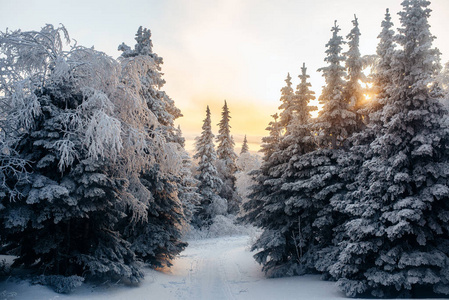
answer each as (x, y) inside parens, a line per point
(239, 51)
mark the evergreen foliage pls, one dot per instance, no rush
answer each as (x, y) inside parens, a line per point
(63, 219)
(157, 239)
(226, 163)
(262, 189)
(87, 169)
(397, 232)
(151, 82)
(284, 243)
(336, 122)
(354, 92)
(209, 182)
(288, 105)
(245, 147)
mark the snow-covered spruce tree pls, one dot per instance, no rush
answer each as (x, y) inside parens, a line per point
(288, 105)
(188, 190)
(245, 148)
(226, 161)
(354, 92)
(335, 121)
(62, 122)
(246, 163)
(156, 239)
(442, 81)
(187, 187)
(209, 186)
(349, 159)
(443, 78)
(382, 73)
(334, 125)
(251, 209)
(151, 82)
(287, 215)
(398, 233)
(270, 143)
(178, 138)
(360, 142)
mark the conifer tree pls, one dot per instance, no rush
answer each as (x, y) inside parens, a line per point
(162, 106)
(285, 215)
(188, 191)
(245, 148)
(209, 182)
(226, 164)
(354, 65)
(187, 186)
(270, 143)
(335, 122)
(101, 188)
(225, 148)
(397, 233)
(288, 105)
(178, 138)
(62, 123)
(382, 84)
(334, 125)
(261, 189)
(158, 239)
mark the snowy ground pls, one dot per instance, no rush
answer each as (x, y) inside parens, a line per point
(212, 269)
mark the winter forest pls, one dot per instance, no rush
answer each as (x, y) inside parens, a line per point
(96, 184)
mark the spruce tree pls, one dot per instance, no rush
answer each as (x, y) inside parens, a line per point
(382, 84)
(270, 143)
(151, 81)
(188, 191)
(245, 148)
(157, 239)
(209, 182)
(397, 234)
(354, 92)
(187, 186)
(178, 138)
(261, 189)
(62, 123)
(284, 214)
(226, 161)
(334, 125)
(288, 105)
(335, 121)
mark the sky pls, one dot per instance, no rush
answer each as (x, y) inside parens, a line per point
(215, 50)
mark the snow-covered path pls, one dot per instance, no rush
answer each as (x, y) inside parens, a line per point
(223, 268)
(211, 269)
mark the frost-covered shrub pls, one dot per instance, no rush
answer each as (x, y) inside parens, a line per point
(218, 206)
(60, 284)
(5, 295)
(222, 226)
(246, 163)
(5, 269)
